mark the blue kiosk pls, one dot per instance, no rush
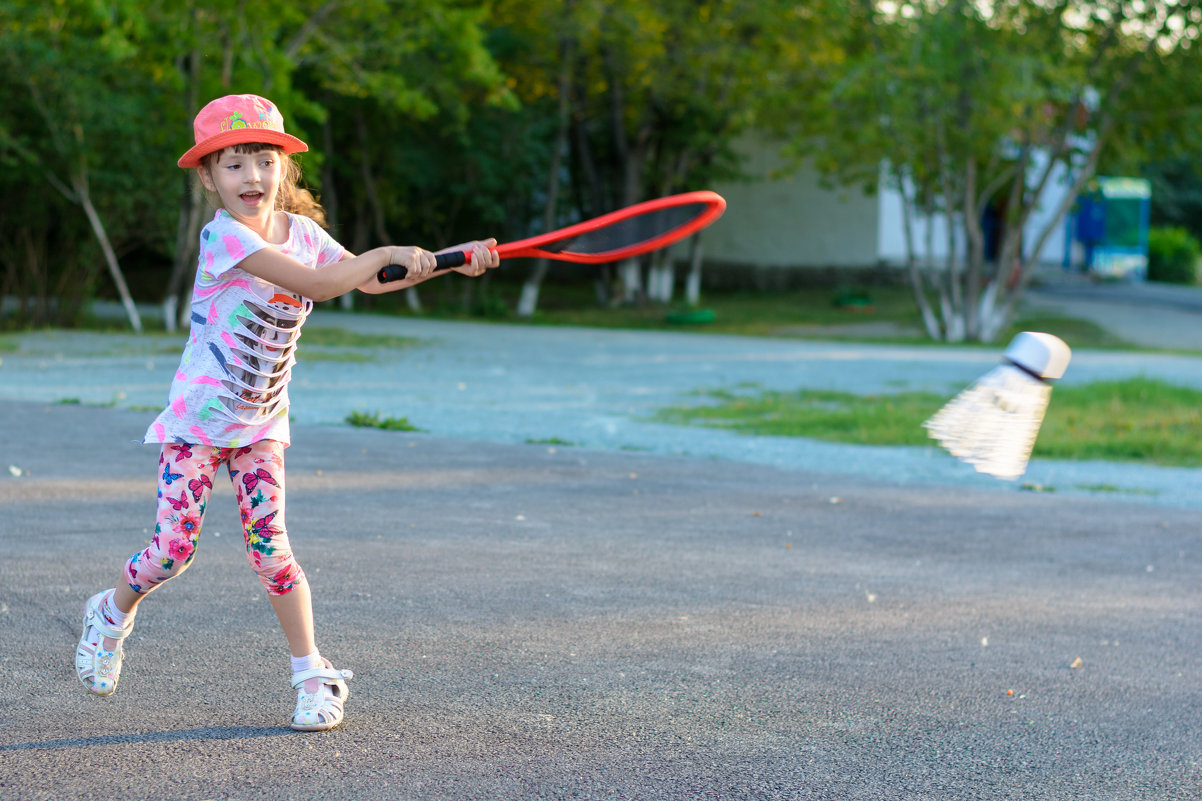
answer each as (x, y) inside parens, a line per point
(1111, 226)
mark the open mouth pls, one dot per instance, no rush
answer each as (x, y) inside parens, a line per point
(251, 198)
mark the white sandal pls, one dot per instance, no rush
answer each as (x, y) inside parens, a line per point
(320, 710)
(97, 667)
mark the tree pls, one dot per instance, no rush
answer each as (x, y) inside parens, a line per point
(410, 96)
(78, 90)
(648, 99)
(973, 107)
(220, 47)
(100, 98)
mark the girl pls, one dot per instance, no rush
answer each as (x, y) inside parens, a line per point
(264, 260)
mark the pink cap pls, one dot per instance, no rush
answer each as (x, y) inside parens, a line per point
(236, 120)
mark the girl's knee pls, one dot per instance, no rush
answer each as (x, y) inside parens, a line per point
(279, 575)
(167, 557)
(271, 557)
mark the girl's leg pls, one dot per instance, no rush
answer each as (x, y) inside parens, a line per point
(295, 611)
(185, 479)
(258, 475)
(257, 472)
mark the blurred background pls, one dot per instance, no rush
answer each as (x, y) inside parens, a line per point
(952, 152)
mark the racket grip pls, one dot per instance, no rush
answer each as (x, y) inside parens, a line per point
(442, 261)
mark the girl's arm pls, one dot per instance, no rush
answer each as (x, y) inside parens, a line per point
(360, 271)
(482, 259)
(341, 277)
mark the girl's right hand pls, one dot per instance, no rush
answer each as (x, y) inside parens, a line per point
(480, 257)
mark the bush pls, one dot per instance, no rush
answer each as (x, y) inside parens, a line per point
(1173, 255)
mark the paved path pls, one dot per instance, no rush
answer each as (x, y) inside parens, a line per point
(652, 613)
(1145, 314)
(529, 622)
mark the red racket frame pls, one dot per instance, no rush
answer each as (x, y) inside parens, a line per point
(533, 247)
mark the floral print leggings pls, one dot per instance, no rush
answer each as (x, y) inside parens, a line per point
(185, 481)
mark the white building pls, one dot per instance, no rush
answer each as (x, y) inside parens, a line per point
(793, 221)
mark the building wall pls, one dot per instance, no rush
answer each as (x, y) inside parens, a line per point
(891, 233)
(791, 221)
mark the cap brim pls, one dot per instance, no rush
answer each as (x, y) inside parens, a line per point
(240, 136)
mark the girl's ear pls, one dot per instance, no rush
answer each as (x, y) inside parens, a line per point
(206, 179)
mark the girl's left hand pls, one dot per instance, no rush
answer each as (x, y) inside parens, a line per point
(481, 259)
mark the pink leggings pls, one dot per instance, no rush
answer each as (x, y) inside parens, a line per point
(185, 481)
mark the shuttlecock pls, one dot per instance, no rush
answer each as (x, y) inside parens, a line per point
(992, 425)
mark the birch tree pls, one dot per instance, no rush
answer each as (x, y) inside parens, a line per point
(963, 106)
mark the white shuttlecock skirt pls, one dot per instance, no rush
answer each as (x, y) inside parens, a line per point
(992, 425)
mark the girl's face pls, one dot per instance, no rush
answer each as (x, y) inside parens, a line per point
(247, 183)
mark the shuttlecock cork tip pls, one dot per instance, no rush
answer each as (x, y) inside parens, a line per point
(1040, 354)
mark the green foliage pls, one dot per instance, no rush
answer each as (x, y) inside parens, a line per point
(1176, 194)
(105, 94)
(79, 92)
(970, 106)
(1173, 256)
(439, 121)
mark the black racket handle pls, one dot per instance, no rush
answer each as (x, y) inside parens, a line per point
(442, 261)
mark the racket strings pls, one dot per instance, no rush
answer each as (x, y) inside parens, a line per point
(629, 232)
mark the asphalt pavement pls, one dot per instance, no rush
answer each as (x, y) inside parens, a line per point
(543, 595)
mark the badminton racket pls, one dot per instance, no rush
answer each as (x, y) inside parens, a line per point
(992, 425)
(621, 234)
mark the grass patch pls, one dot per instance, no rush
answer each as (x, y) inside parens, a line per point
(893, 419)
(1115, 489)
(861, 311)
(881, 313)
(373, 420)
(1136, 420)
(550, 441)
(746, 313)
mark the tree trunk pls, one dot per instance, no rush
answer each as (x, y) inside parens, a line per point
(929, 321)
(175, 300)
(80, 185)
(661, 278)
(692, 286)
(631, 275)
(528, 302)
(178, 297)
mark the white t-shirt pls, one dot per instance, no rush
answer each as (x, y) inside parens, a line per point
(231, 388)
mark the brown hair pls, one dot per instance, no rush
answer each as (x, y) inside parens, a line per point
(292, 197)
